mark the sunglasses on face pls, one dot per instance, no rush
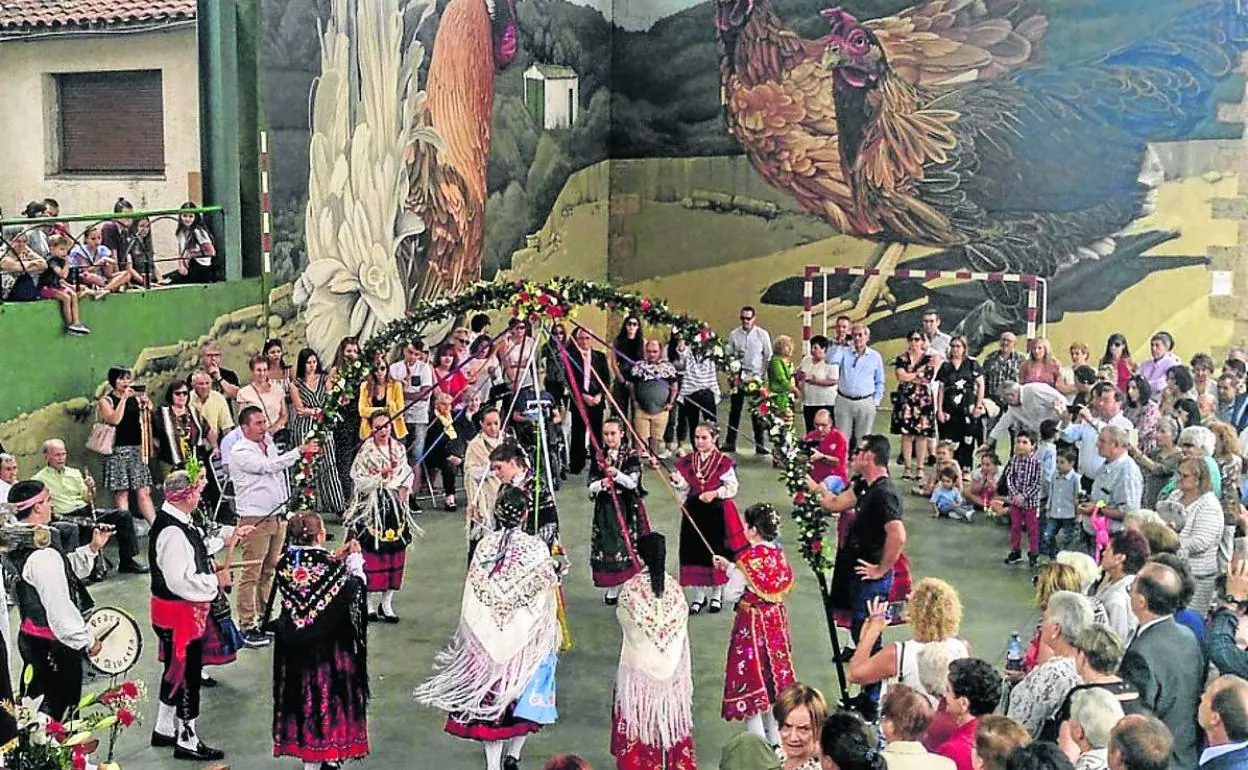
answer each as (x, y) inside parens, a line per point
(181, 393)
(747, 318)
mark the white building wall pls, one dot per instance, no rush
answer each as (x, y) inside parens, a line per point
(28, 117)
(559, 113)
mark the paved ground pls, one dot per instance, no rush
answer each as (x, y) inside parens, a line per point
(237, 713)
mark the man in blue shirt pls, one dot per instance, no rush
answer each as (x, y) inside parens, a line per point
(861, 386)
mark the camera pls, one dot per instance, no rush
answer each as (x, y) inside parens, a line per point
(809, 445)
(139, 387)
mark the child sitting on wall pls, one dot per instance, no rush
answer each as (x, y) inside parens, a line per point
(54, 284)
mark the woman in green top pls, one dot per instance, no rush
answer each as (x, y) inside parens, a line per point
(780, 380)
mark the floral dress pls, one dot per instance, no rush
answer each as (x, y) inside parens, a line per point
(915, 412)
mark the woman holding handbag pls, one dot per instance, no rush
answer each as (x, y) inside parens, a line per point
(127, 409)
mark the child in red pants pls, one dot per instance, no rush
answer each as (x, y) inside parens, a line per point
(1024, 482)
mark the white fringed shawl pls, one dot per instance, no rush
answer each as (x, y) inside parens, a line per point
(508, 626)
(654, 684)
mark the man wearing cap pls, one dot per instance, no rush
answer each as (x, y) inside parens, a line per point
(183, 587)
(50, 599)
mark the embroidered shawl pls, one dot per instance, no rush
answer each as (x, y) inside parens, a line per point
(767, 573)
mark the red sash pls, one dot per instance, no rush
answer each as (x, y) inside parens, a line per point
(187, 621)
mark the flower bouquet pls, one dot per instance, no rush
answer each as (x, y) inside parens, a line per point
(43, 743)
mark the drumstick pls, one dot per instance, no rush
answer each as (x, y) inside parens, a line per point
(251, 563)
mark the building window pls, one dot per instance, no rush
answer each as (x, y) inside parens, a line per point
(111, 122)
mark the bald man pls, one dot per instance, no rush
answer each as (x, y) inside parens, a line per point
(1164, 661)
(1223, 715)
(1139, 742)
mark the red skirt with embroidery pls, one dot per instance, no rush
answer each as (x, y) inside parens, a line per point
(384, 570)
(760, 658)
(320, 713)
(507, 727)
(635, 755)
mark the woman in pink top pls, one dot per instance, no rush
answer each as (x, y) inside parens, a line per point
(1040, 365)
(1118, 355)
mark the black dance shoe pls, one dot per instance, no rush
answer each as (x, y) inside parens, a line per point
(201, 753)
(162, 741)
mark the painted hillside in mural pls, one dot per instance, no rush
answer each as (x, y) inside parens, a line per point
(1093, 143)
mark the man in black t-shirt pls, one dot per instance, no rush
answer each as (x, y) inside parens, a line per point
(864, 562)
(224, 380)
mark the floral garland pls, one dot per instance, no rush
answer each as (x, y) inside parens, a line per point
(557, 299)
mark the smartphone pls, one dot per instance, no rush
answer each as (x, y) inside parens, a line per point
(139, 387)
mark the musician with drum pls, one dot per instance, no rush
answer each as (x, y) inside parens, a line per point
(50, 600)
(184, 585)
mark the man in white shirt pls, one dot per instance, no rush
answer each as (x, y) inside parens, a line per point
(1118, 486)
(752, 344)
(937, 341)
(183, 586)
(261, 493)
(50, 599)
(1223, 715)
(1029, 405)
(1105, 409)
(416, 376)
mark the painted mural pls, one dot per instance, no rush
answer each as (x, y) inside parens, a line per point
(730, 143)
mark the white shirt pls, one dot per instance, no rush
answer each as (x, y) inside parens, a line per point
(753, 347)
(818, 395)
(417, 410)
(259, 477)
(46, 574)
(1036, 403)
(227, 444)
(175, 556)
(939, 344)
(4, 500)
(1213, 752)
(1116, 599)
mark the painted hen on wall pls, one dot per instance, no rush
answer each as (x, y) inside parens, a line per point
(778, 95)
(1030, 172)
(475, 38)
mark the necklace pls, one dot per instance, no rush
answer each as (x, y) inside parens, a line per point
(702, 468)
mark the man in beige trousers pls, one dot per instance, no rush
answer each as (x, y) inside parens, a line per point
(261, 494)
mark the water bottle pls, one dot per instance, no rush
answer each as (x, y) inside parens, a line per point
(1014, 654)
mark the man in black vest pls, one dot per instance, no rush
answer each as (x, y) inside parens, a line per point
(50, 599)
(183, 586)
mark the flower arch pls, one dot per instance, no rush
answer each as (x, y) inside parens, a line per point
(557, 299)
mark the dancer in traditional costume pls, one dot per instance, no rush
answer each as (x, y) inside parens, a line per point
(710, 477)
(378, 519)
(760, 657)
(619, 515)
(184, 585)
(320, 655)
(50, 601)
(507, 641)
(652, 724)
(521, 487)
(222, 639)
(480, 483)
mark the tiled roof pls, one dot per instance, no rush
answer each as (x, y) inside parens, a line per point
(18, 16)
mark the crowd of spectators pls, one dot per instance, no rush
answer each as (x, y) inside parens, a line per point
(68, 261)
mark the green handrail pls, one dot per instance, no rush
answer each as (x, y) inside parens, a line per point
(113, 215)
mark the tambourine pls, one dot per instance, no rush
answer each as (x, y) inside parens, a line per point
(121, 641)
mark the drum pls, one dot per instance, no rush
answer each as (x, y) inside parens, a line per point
(121, 641)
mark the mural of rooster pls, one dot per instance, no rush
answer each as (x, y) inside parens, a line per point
(475, 38)
(922, 137)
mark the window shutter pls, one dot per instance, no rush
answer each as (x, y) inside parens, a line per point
(112, 122)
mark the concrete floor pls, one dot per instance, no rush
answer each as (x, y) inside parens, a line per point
(237, 714)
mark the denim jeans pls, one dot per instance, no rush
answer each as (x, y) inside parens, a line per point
(864, 592)
(1053, 530)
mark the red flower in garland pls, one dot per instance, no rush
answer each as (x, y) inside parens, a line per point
(125, 717)
(523, 296)
(545, 299)
(646, 305)
(763, 408)
(56, 731)
(78, 760)
(309, 491)
(799, 498)
(556, 311)
(129, 690)
(764, 393)
(704, 334)
(816, 546)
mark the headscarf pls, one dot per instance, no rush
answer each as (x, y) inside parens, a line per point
(652, 550)
(747, 751)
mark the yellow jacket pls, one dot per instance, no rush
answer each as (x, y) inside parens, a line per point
(393, 407)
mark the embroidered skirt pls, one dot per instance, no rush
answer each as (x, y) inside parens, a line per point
(760, 660)
(610, 557)
(384, 570)
(125, 470)
(506, 728)
(632, 754)
(320, 702)
(720, 524)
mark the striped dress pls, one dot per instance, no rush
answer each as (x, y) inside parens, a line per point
(329, 491)
(1198, 544)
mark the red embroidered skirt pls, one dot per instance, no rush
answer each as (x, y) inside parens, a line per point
(760, 659)
(385, 570)
(635, 755)
(320, 710)
(506, 728)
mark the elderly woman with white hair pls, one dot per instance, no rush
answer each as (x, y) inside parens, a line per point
(1085, 736)
(1041, 693)
(1199, 442)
